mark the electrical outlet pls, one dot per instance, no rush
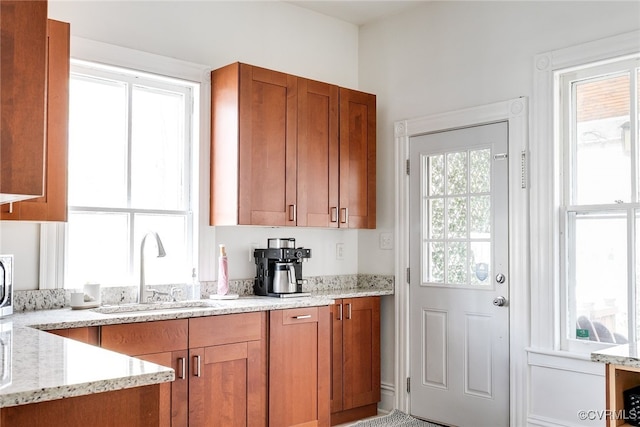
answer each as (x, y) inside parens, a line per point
(386, 241)
(254, 246)
(339, 251)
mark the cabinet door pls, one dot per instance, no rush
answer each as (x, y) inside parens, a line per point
(226, 385)
(361, 335)
(337, 317)
(267, 147)
(317, 154)
(88, 334)
(174, 396)
(52, 206)
(23, 43)
(357, 159)
(299, 367)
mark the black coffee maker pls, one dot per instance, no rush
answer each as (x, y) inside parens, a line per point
(279, 268)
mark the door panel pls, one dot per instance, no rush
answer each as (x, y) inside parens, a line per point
(459, 344)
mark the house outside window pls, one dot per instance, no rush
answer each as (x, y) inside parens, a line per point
(130, 172)
(597, 118)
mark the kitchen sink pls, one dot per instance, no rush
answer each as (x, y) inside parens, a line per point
(154, 306)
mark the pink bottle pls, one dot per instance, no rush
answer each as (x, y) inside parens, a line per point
(223, 278)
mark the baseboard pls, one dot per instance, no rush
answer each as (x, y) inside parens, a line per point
(387, 398)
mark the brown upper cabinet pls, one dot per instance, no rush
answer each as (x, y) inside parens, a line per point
(23, 42)
(52, 206)
(288, 151)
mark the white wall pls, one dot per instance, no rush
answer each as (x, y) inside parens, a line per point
(444, 56)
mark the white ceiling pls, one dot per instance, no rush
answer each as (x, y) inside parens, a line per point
(357, 12)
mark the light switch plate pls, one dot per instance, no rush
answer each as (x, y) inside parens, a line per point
(386, 241)
(254, 246)
(339, 251)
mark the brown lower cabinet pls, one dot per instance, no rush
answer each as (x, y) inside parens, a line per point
(219, 361)
(323, 364)
(299, 363)
(355, 363)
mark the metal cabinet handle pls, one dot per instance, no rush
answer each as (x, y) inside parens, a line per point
(183, 367)
(303, 316)
(344, 212)
(292, 213)
(349, 311)
(197, 365)
(334, 214)
(339, 311)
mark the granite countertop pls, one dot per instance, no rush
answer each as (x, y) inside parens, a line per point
(624, 355)
(39, 366)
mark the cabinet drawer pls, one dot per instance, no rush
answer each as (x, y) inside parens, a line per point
(226, 329)
(300, 315)
(146, 338)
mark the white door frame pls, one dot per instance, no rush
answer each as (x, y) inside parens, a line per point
(515, 112)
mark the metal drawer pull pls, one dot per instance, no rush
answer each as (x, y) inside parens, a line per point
(183, 368)
(339, 311)
(349, 311)
(292, 213)
(304, 316)
(344, 215)
(334, 214)
(197, 366)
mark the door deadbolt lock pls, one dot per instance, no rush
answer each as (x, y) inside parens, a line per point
(499, 301)
(500, 278)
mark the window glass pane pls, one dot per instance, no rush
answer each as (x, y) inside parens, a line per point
(98, 249)
(172, 230)
(599, 272)
(602, 159)
(158, 150)
(97, 142)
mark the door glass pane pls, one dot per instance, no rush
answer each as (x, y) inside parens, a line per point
(157, 149)
(602, 155)
(457, 238)
(436, 171)
(457, 173)
(599, 274)
(457, 217)
(97, 143)
(98, 247)
(457, 263)
(436, 219)
(479, 173)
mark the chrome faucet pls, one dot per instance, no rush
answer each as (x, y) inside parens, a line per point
(144, 292)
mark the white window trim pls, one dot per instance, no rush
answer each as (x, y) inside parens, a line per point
(547, 179)
(52, 245)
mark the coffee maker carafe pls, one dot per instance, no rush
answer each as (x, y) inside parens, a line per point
(279, 269)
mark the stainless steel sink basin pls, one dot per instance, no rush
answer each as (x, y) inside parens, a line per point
(137, 308)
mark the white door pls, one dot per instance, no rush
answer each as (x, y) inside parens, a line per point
(459, 311)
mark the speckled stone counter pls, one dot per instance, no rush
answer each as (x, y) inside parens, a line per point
(43, 366)
(622, 355)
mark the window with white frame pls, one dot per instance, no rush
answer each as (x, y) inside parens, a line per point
(131, 169)
(600, 205)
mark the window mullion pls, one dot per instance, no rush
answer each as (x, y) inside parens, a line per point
(129, 140)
